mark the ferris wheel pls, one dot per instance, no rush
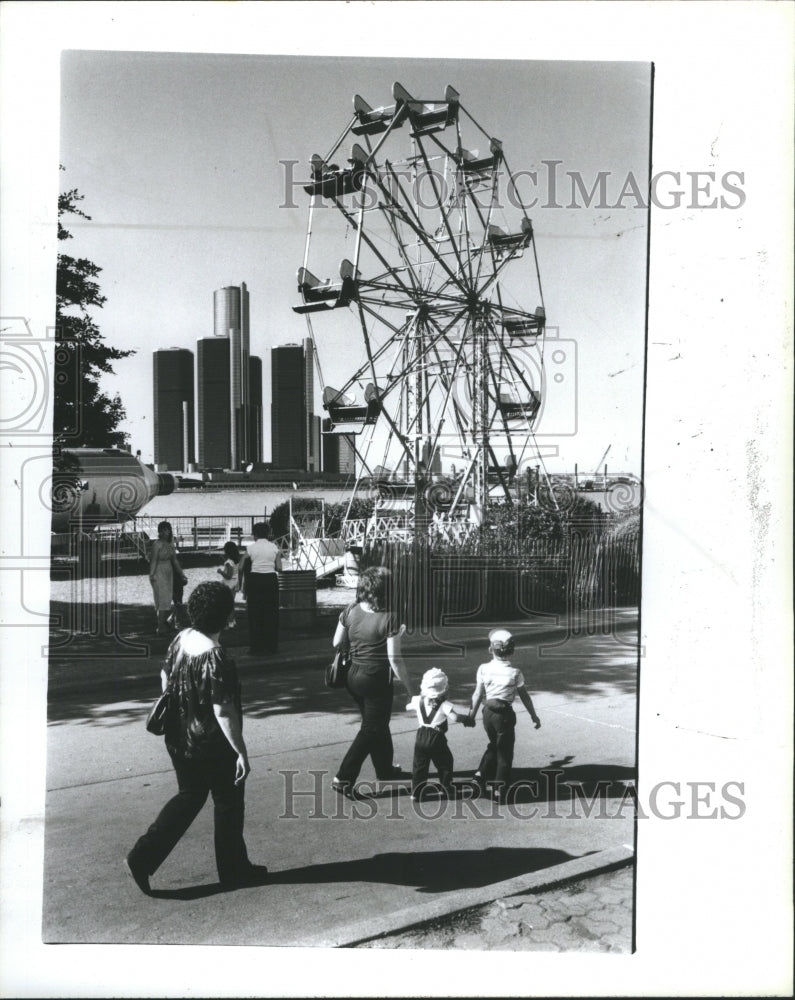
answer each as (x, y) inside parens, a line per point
(433, 263)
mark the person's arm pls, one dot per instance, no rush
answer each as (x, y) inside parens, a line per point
(163, 679)
(396, 661)
(341, 632)
(477, 696)
(153, 561)
(229, 721)
(226, 571)
(245, 568)
(527, 701)
(278, 562)
(340, 635)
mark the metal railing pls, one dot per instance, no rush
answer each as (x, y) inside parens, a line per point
(197, 533)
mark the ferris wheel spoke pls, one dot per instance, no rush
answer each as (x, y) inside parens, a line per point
(340, 140)
(390, 220)
(370, 242)
(445, 220)
(412, 220)
(484, 251)
(448, 381)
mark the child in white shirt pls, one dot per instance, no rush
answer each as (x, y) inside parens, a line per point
(498, 683)
(230, 572)
(433, 715)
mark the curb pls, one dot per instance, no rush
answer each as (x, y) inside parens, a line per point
(361, 931)
(311, 659)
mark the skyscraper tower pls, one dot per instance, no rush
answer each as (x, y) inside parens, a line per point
(213, 403)
(339, 453)
(288, 410)
(313, 456)
(255, 408)
(231, 321)
(172, 372)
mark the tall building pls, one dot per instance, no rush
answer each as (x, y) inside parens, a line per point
(172, 372)
(295, 430)
(214, 403)
(313, 455)
(338, 452)
(288, 410)
(231, 322)
(255, 408)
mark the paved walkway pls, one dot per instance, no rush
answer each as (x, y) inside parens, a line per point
(341, 872)
(594, 914)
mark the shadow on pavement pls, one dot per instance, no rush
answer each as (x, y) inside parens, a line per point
(556, 783)
(105, 661)
(429, 871)
(553, 783)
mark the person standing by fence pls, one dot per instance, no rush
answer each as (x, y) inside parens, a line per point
(260, 567)
(163, 567)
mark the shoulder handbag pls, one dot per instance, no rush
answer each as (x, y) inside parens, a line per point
(337, 670)
(157, 720)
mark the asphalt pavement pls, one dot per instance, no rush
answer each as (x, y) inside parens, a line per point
(342, 873)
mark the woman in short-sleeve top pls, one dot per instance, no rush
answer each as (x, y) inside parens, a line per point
(373, 634)
(204, 738)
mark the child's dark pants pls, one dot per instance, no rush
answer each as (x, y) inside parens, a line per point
(431, 747)
(499, 721)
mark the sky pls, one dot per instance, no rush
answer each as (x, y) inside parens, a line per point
(181, 159)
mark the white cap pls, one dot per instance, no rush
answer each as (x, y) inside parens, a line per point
(500, 635)
(434, 682)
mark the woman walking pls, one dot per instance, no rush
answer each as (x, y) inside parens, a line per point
(373, 635)
(204, 739)
(262, 562)
(163, 570)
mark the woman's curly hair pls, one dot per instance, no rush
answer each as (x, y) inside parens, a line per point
(209, 607)
(373, 587)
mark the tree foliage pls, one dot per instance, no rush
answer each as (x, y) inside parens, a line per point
(84, 415)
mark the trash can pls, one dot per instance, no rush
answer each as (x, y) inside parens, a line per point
(297, 599)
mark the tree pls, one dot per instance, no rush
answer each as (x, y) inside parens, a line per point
(84, 415)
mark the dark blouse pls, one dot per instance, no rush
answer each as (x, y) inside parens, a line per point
(197, 682)
(367, 635)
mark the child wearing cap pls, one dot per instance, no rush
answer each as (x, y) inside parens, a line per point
(498, 683)
(433, 715)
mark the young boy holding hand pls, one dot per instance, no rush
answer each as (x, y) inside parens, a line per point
(498, 683)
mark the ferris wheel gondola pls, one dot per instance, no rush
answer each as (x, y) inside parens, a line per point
(427, 279)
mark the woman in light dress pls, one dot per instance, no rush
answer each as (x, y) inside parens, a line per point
(163, 566)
